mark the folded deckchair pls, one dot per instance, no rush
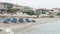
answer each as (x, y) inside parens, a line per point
(21, 20)
(6, 20)
(33, 21)
(27, 20)
(14, 20)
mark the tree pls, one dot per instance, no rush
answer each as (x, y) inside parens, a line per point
(38, 12)
(58, 13)
(51, 14)
(12, 10)
(43, 11)
(8, 5)
(29, 12)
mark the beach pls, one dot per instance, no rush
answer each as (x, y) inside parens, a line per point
(14, 27)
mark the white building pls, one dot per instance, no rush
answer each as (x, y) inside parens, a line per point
(56, 10)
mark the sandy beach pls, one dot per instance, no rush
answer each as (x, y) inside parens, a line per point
(20, 26)
(38, 21)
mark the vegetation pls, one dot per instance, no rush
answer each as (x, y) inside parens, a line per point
(51, 14)
(12, 10)
(58, 13)
(43, 12)
(8, 5)
(38, 13)
(29, 12)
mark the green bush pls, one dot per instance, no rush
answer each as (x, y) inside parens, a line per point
(12, 10)
(51, 14)
(58, 14)
(29, 12)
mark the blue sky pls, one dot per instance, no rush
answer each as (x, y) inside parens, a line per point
(36, 3)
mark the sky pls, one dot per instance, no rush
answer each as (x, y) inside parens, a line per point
(35, 3)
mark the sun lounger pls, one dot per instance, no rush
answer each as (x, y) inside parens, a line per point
(33, 21)
(6, 20)
(14, 20)
(27, 20)
(21, 20)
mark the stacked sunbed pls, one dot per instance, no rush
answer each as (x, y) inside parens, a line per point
(15, 20)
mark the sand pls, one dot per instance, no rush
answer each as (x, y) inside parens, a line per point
(14, 27)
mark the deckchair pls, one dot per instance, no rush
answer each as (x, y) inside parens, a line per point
(6, 20)
(14, 20)
(21, 20)
(27, 20)
(33, 21)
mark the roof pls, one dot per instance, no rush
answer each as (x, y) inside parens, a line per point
(42, 9)
(56, 8)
